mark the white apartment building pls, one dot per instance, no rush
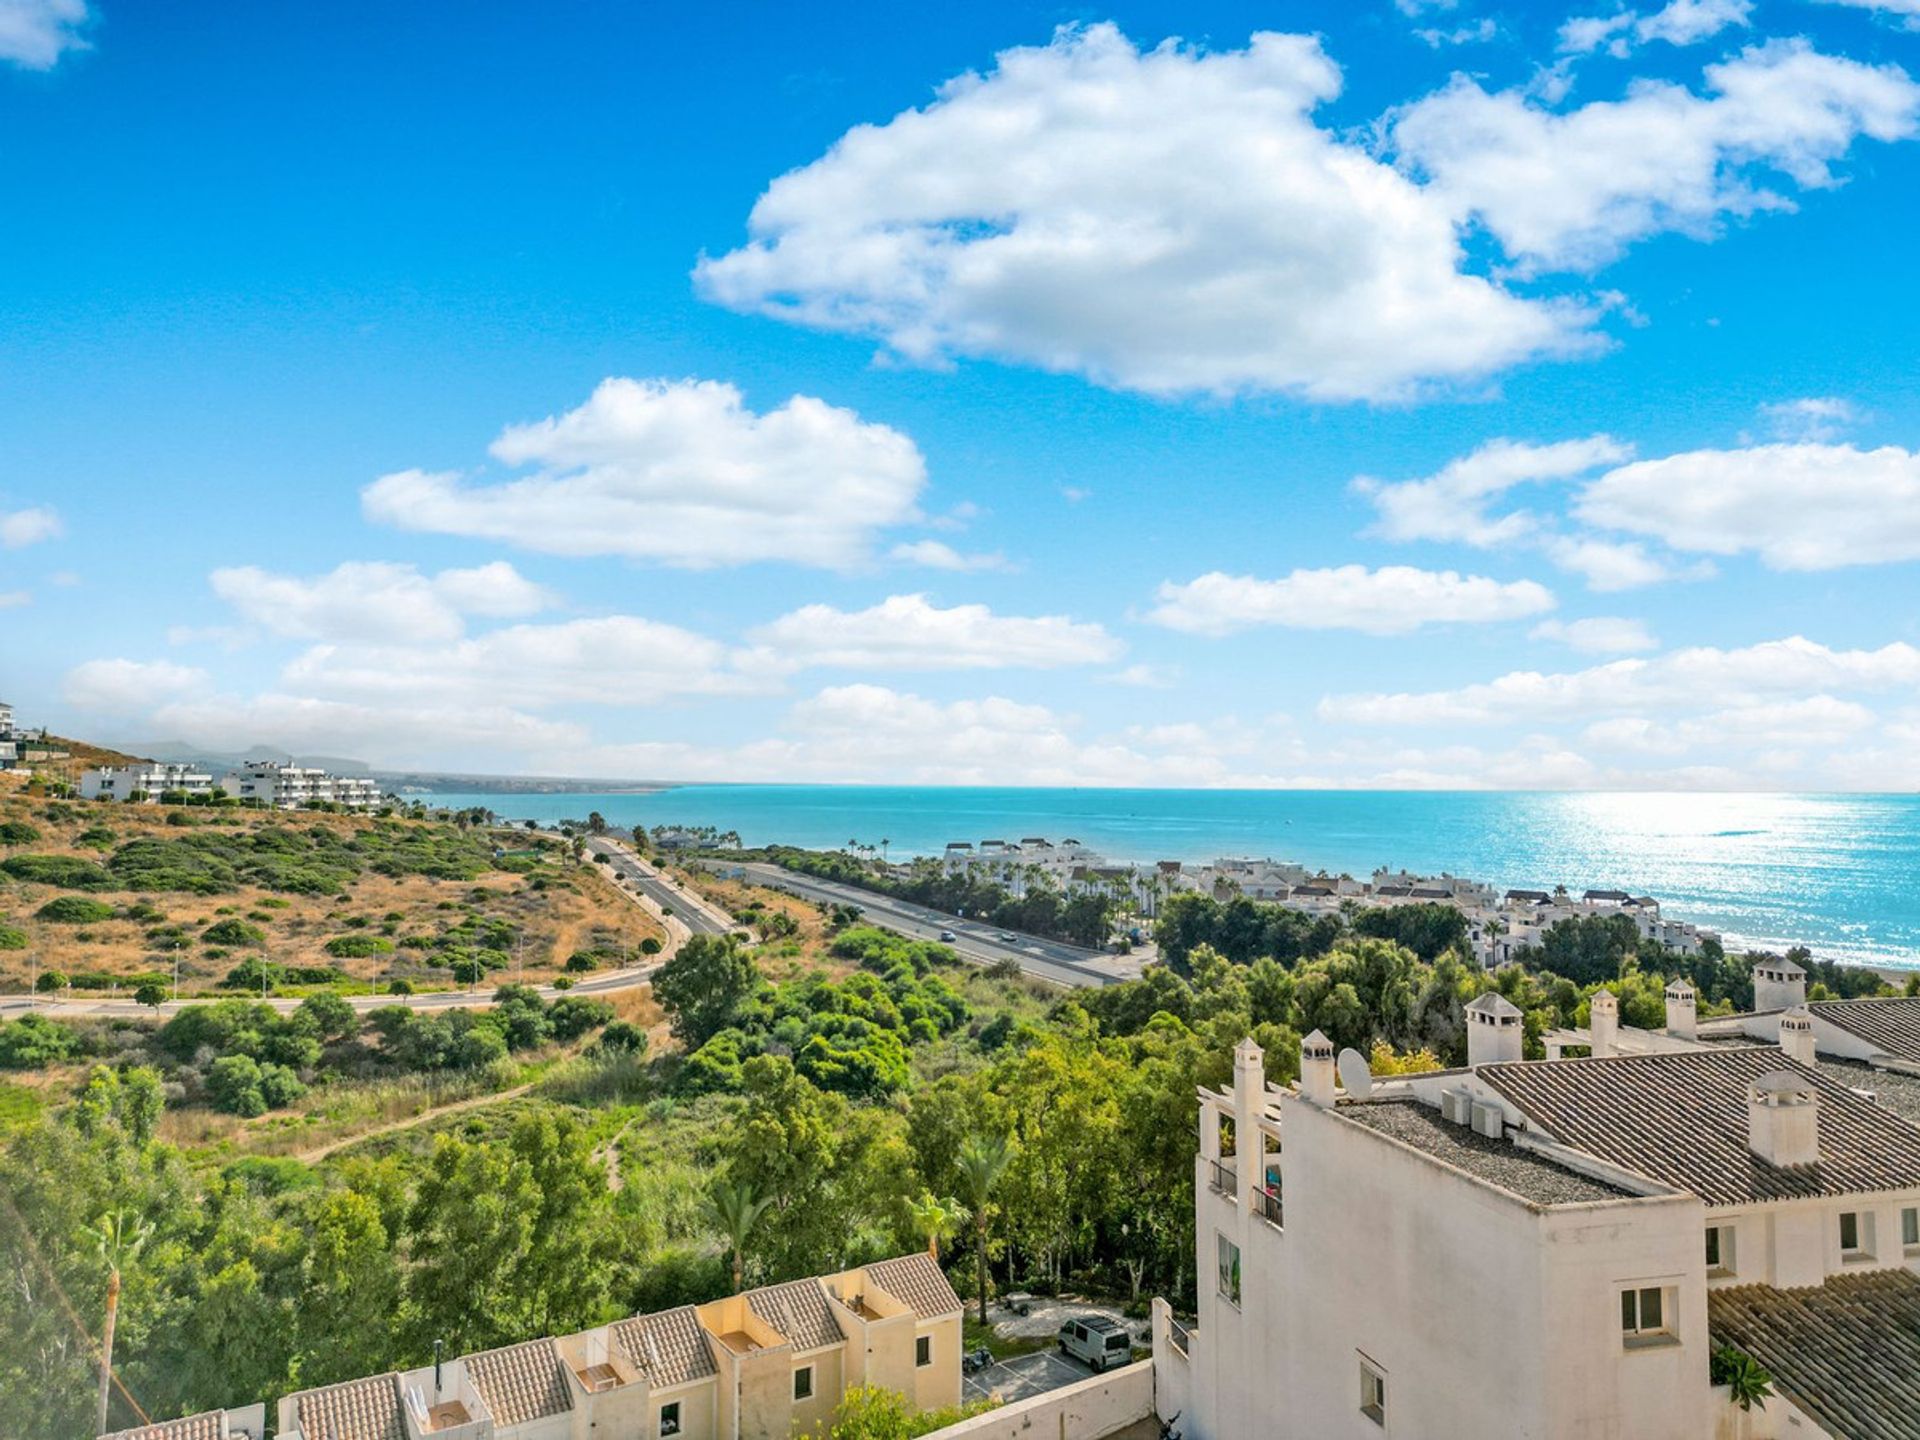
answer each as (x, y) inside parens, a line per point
(1555, 1248)
(1013, 864)
(764, 1365)
(292, 787)
(146, 780)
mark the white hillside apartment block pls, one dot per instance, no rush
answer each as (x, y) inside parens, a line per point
(148, 780)
(293, 787)
(1555, 1248)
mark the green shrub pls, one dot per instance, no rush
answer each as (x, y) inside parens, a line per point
(571, 1016)
(12, 938)
(50, 982)
(399, 987)
(17, 832)
(357, 946)
(232, 932)
(33, 1041)
(96, 837)
(75, 910)
(68, 872)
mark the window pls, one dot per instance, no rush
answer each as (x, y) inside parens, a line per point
(923, 1350)
(1720, 1249)
(1910, 1227)
(1229, 1268)
(1856, 1234)
(1373, 1392)
(803, 1383)
(1646, 1315)
(670, 1418)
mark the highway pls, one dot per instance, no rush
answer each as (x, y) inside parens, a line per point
(700, 916)
(1052, 960)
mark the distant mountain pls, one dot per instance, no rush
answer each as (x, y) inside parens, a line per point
(178, 752)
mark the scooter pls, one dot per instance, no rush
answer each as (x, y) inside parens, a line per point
(1167, 1432)
(979, 1359)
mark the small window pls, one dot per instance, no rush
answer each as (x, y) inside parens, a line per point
(1720, 1249)
(1910, 1227)
(803, 1383)
(1645, 1315)
(1856, 1234)
(1229, 1268)
(923, 1350)
(670, 1418)
(1373, 1392)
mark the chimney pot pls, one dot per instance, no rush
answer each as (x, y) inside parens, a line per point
(1603, 1023)
(1316, 1069)
(1796, 1035)
(1683, 1011)
(1783, 1119)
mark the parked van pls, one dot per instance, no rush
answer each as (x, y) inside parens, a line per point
(1100, 1340)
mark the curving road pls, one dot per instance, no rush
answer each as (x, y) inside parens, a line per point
(1053, 960)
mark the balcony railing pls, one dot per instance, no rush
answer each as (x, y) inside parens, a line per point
(1180, 1337)
(1225, 1179)
(1266, 1205)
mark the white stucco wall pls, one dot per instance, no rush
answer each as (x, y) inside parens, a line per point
(1084, 1411)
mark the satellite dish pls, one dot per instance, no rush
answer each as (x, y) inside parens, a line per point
(1355, 1075)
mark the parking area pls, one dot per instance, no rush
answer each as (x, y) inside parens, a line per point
(1025, 1376)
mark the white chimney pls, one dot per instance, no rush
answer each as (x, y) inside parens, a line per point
(1603, 1023)
(1494, 1027)
(1778, 985)
(1249, 1084)
(1316, 1069)
(1683, 1011)
(1796, 1035)
(1783, 1119)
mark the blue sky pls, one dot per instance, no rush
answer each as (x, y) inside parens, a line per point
(1385, 393)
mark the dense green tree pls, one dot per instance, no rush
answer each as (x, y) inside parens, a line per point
(703, 987)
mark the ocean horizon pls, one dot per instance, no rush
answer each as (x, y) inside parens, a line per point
(1833, 872)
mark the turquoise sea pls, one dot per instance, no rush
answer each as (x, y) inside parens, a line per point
(1838, 873)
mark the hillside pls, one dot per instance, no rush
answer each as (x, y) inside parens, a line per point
(104, 893)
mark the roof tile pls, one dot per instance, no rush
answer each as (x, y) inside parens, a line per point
(916, 1280)
(799, 1311)
(521, 1382)
(352, 1410)
(670, 1346)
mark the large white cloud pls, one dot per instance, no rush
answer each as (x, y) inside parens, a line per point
(129, 687)
(34, 34)
(1169, 220)
(1392, 600)
(1680, 681)
(909, 632)
(375, 600)
(680, 472)
(1798, 507)
(20, 528)
(1452, 504)
(1571, 189)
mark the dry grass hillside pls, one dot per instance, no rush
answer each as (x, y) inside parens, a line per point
(104, 893)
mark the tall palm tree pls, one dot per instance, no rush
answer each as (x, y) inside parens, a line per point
(935, 1218)
(983, 1160)
(735, 1209)
(118, 1240)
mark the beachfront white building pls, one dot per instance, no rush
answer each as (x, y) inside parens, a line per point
(292, 787)
(144, 780)
(1554, 1248)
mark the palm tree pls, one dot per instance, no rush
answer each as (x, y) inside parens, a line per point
(983, 1160)
(935, 1218)
(735, 1209)
(118, 1240)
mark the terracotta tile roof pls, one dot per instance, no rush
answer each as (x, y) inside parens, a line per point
(1891, 1024)
(521, 1382)
(917, 1281)
(1846, 1352)
(208, 1425)
(799, 1311)
(353, 1410)
(1681, 1117)
(670, 1346)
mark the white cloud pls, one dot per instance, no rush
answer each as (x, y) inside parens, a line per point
(614, 660)
(1474, 33)
(21, 528)
(1392, 600)
(376, 600)
(1451, 505)
(14, 599)
(680, 472)
(1677, 682)
(1598, 634)
(1815, 720)
(1169, 220)
(34, 34)
(1684, 22)
(1811, 418)
(128, 687)
(1907, 12)
(1142, 676)
(1572, 189)
(1608, 565)
(908, 632)
(1798, 507)
(936, 555)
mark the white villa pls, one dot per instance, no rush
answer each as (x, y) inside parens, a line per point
(1556, 1248)
(144, 780)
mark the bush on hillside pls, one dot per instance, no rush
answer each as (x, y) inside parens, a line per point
(33, 1041)
(17, 832)
(67, 872)
(232, 932)
(12, 938)
(358, 946)
(75, 910)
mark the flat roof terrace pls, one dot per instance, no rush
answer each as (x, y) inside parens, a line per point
(1522, 1172)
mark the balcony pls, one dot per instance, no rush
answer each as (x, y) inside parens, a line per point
(1266, 1204)
(1225, 1180)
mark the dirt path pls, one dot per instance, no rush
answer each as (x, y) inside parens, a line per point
(472, 1102)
